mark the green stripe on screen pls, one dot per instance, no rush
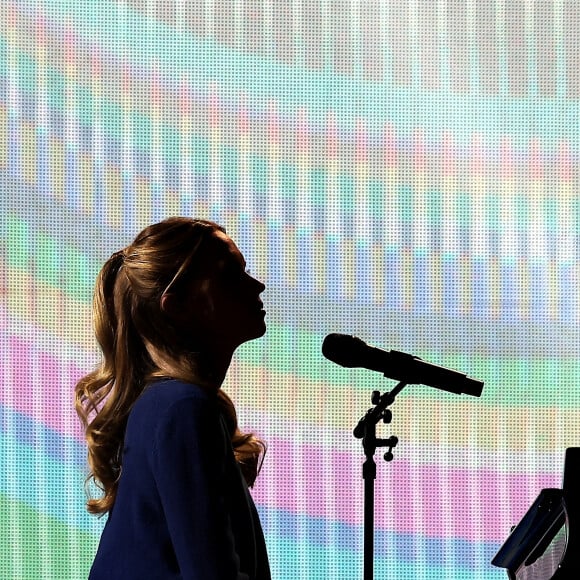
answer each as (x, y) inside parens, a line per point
(509, 381)
(53, 262)
(40, 546)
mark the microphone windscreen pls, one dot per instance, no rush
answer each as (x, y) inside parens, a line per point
(344, 350)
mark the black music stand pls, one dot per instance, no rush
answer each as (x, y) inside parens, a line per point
(545, 545)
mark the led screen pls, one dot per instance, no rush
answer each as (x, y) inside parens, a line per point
(403, 171)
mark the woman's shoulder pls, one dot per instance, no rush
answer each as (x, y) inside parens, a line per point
(168, 401)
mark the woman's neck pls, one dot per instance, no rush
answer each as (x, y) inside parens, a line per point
(205, 369)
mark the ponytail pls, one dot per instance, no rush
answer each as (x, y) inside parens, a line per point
(104, 397)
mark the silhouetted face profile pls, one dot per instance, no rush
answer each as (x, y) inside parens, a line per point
(221, 304)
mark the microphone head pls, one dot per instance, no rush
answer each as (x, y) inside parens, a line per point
(344, 350)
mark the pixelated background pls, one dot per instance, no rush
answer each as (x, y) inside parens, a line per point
(401, 170)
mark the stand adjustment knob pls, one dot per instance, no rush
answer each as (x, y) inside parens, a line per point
(391, 443)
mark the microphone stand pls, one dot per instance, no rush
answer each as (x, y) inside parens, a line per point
(366, 430)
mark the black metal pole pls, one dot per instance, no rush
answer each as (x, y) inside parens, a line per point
(369, 476)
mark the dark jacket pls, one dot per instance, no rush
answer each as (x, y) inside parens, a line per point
(182, 509)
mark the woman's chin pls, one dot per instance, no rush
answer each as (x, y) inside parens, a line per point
(258, 331)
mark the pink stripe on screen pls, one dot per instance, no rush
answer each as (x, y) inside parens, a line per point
(449, 502)
(419, 151)
(390, 147)
(361, 142)
(36, 386)
(564, 162)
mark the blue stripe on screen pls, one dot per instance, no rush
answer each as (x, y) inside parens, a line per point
(401, 547)
(53, 444)
(50, 487)
(290, 560)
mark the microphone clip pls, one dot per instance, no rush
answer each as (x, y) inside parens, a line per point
(366, 429)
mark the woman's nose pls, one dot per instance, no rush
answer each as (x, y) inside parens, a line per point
(260, 285)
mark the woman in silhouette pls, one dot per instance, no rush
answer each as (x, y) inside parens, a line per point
(163, 441)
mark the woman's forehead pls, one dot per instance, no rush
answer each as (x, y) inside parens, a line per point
(228, 248)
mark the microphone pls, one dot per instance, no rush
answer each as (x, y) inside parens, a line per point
(350, 351)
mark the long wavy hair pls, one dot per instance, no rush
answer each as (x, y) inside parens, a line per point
(134, 334)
